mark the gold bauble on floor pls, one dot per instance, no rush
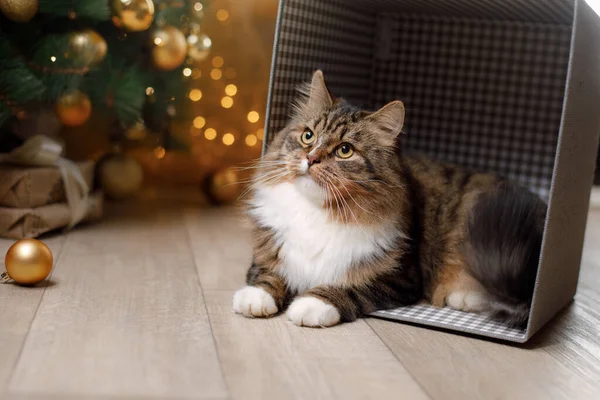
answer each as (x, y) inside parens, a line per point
(28, 261)
(120, 176)
(87, 47)
(19, 10)
(169, 48)
(73, 108)
(132, 15)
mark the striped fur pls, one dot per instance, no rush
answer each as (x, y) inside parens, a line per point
(337, 237)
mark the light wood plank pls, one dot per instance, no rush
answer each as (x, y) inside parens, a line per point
(451, 366)
(220, 241)
(273, 359)
(127, 318)
(574, 337)
(46, 396)
(18, 306)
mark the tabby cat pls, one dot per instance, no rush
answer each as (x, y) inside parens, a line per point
(345, 224)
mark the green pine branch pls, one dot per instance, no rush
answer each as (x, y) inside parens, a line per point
(120, 87)
(17, 84)
(50, 60)
(36, 62)
(98, 10)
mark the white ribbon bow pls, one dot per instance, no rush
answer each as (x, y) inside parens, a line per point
(41, 151)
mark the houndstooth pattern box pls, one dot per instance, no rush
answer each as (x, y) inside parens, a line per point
(509, 86)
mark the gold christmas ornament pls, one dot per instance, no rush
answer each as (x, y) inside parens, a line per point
(73, 108)
(87, 47)
(132, 15)
(19, 10)
(223, 187)
(169, 48)
(121, 176)
(28, 261)
(198, 47)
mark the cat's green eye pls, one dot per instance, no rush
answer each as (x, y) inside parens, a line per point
(344, 150)
(308, 137)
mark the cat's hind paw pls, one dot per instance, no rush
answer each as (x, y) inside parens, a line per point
(469, 301)
(254, 301)
(313, 312)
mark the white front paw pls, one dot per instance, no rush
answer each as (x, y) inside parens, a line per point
(254, 301)
(310, 311)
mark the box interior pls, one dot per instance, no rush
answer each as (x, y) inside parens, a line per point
(483, 83)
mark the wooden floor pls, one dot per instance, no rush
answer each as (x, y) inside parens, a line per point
(139, 307)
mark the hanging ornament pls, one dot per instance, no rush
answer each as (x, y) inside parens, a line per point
(223, 187)
(133, 15)
(169, 48)
(198, 47)
(19, 10)
(73, 108)
(28, 262)
(87, 47)
(120, 176)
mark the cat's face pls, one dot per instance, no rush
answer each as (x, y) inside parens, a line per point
(335, 154)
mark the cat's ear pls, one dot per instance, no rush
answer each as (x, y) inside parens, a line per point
(319, 96)
(389, 119)
(315, 96)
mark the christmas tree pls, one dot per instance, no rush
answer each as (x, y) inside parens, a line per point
(69, 58)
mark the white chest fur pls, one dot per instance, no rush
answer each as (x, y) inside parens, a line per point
(315, 251)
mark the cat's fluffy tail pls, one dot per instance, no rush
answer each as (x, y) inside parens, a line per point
(504, 237)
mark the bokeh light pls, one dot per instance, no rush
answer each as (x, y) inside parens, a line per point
(195, 94)
(216, 74)
(251, 140)
(253, 116)
(199, 122)
(210, 134)
(218, 62)
(231, 89)
(227, 102)
(228, 139)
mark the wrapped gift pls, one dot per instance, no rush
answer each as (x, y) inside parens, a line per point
(19, 223)
(30, 187)
(41, 191)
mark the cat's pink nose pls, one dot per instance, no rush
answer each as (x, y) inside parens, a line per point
(313, 159)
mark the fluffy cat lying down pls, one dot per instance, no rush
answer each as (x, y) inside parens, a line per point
(344, 224)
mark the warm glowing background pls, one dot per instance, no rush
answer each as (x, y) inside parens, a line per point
(221, 121)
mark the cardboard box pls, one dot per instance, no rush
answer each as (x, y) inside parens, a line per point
(496, 85)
